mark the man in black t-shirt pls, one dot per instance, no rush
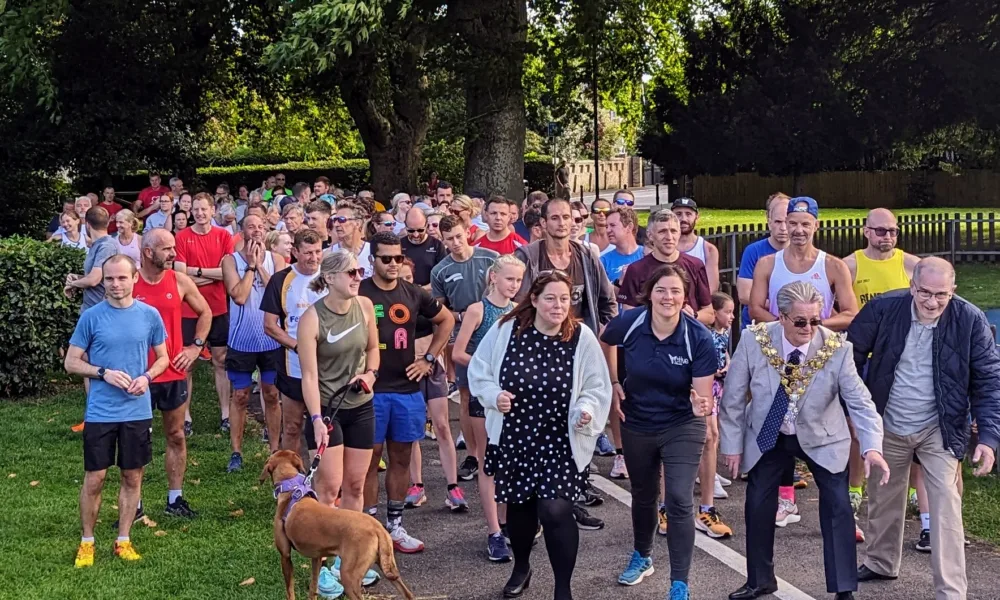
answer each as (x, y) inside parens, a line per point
(400, 411)
(418, 246)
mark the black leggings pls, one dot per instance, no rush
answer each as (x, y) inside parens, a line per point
(562, 538)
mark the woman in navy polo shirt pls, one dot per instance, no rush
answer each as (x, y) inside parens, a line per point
(671, 362)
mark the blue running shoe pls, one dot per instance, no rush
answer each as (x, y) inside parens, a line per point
(604, 447)
(329, 588)
(637, 570)
(370, 578)
(679, 591)
(235, 463)
(496, 548)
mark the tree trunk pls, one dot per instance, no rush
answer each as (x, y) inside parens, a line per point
(493, 36)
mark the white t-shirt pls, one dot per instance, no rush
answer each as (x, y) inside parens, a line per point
(363, 261)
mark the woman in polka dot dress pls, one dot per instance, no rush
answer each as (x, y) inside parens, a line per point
(544, 384)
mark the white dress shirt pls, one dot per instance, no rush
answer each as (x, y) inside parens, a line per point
(788, 425)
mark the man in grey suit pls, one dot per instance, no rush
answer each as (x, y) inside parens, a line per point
(796, 373)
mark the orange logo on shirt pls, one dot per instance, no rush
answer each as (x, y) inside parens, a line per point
(399, 314)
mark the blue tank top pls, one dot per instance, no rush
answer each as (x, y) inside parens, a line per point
(491, 314)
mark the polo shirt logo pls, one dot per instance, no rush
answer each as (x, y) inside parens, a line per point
(678, 361)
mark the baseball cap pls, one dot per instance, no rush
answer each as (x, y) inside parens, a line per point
(684, 203)
(803, 204)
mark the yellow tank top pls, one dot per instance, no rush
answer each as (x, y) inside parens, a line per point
(875, 277)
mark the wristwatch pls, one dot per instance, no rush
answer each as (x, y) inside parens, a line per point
(374, 372)
(254, 269)
(199, 342)
(199, 272)
(100, 372)
(430, 357)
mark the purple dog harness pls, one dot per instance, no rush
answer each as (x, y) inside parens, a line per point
(299, 487)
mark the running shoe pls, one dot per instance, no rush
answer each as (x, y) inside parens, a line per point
(452, 390)
(456, 500)
(585, 521)
(719, 493)
(711, 524)
(404, 542)
(618, 470)
(798, 482)
(460, 441)
(679, 591)
(139, 514)
(205, 353)
(590, 498)
(180, 508)
(496, 548)
(381, 465)
(723, 481)
(637, 570)
(415, 496)
(788, 513)
(77, 429)
(859, 536)
(924, 543)
(429, 431)
(372, 511)
(126, 551)
(224, 425)
(370, 578)
(604, 447)
(661, 520)
(235, 463)
(855, 502)
(188, 429)
(84, 555)
(328, 587)
(469, 468)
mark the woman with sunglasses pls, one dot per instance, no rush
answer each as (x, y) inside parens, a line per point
(401, 204)
(465, 209)
(578, 229)
(671, 363)
(544, 386)
(349, 226)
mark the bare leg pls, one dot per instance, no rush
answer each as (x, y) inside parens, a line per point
(190, 386)
(706, 471)
(90, 500)
(330, 475)
(128, 499)
(466, 422)
(221, 380)
(272, 414)
(176, 459)
(356, 464)
(416, 468)
(917, 482)
(395, 475)
(616, 430)
(371, 478)
(237, 414)
(438, 409)
(292, 413)
(487, 496)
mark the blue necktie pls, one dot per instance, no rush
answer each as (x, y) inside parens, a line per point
(768, 436)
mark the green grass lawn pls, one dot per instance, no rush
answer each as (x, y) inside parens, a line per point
(709, 217)
(977, 283)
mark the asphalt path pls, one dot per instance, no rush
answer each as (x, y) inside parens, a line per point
(454, 564)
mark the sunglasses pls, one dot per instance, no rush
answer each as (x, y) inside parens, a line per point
(552, 272)
(801, 323)
(882, 231)
(342, 220)
(421, 230)
(624, 202)
(358, 273)
(387, 223)
(398, 259)
(601, 210)
(578, 219)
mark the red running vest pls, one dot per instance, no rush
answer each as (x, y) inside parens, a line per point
(166, 299)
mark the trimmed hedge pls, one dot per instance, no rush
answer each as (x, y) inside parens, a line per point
(38, 318)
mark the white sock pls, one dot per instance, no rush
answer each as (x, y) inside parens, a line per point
(122, 538)
(87, 540)
(173, 495)
(925, 520)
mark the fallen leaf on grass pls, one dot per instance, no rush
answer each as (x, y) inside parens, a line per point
(230, 502)
(194, 462)
(194, 481)
(159, 533)
(258, 455)
(237, 513)
(11, 475)
(185, 528)
(50, 420)
(218, 436)
(148, 522)
(254, 488)
(114, 507)
(249, 581)
(304, 565)
(34, 483)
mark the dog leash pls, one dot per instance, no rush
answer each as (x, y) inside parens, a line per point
(358, 386)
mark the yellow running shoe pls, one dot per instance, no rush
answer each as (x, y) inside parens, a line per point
(85, 555)
(381, 465)
(126, 551)
(710, 523)
(661, 518)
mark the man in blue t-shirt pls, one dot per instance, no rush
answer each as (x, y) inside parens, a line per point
(111, 347)
(624, 249)
(776, 207)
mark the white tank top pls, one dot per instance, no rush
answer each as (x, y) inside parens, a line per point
(297, 298)
(130, 249)
(698, 250)
(816, 275)
(246, 323)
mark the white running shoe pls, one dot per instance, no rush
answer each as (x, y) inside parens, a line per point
(404, 542)
(787, 514)
(722, 480)
(719, 493)
(618, 470)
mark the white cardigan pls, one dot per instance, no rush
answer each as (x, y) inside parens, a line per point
(591, 388)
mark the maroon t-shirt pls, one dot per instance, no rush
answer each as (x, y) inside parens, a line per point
(699, 294)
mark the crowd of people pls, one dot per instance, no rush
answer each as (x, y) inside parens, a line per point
(564, 331)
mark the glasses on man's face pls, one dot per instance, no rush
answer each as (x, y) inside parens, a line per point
(421, 230)
(624, 202)
(603, 210)
(355, 273)
(434, 225)
(927, 295)
(883, 231)
(398, 259)
(802, 323)
(342, 220)
(388, 223)
(578, 220)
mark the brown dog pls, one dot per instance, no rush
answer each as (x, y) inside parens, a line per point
(316, 531)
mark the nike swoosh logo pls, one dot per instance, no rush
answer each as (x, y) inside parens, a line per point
(333, 339)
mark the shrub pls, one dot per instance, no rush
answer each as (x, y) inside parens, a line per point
(349, 174)
(37, 318)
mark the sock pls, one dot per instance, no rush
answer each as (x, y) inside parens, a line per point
(855, 490)
(419, 485)
(704, 508)
(451, 486)
(87, 540)
(787, 492)
(925, 520)
(618, 451)
(173, 495)
(122, 538)
(394, 514)
(138, 507)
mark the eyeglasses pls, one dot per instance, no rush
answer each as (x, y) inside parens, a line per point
(398, 259)
(421, 230)
(578, 219)
(801, 323)
(882, 231)
(387, 223)
(927, 295)
(342, 220)
(601, 210)
(434, 225)
(624, 202)
(355, 273)
(547, 272)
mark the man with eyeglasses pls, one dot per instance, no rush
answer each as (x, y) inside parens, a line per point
(498, 237)
(425, 251)
(932, 364)
(776, 363)
(533, 202)
(627, 198)
(400, 411)
(348, 225)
